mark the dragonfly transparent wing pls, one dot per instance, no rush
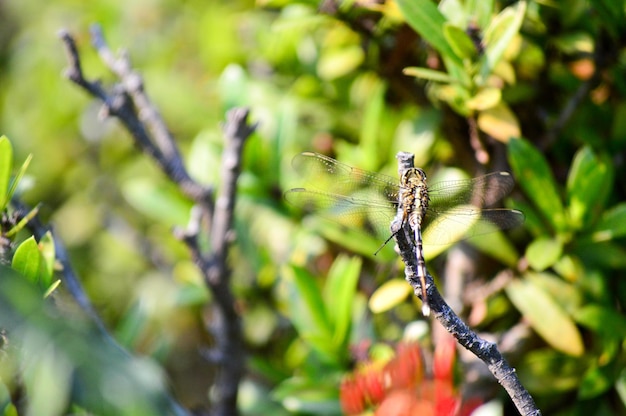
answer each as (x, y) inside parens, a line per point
(456, 206)
(467, 221)
(328, 175)
(367, 211)
(482, 191)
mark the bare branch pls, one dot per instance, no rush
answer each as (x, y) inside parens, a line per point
(132, 106)
(487, 351)
(128, 103)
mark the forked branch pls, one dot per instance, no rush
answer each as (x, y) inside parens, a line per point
(129, 102)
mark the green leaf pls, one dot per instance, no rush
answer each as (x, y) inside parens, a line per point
(301, 395)
(46, 245)
(546, 317)
(19, 175)
(6, 165)
(588, 185)
(428, 74)
(547, 372)
(568, 295)
(497, 246)
(612, 224)
(338, 62)
(480, 10)
(353, 239)
(307, 310)
(458, 40)
(52, 288)
(606, 254)
(596, 381)
(339, 292)
(389, 295)
(424, 17)
(602, 320)
(543, 252)
(499, 35)
(535, 178)
(28, 260)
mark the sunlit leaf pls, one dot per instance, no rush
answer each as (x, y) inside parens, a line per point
(424, 17)
(543, 252)
(46, 245)
(546, 317)
(496, 245)
(307, 310)
(499, 122)
(339, 62)
(6, 165)
(428, 74)
(485, 99)
(480, 10)
(389, 294)
(612, 224)
(19, 175)
(339, 293)
(302, 395)
(27, 260)
(499, 34)
(458, 40)
(567, 294)
(574, 43)
(534, 176)
(588, 185)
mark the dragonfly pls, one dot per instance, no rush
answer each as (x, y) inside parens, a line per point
(448, 211)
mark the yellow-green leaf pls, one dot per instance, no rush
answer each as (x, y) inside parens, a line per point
(543, 253)
(459, 41)
(546, 317)
(499, 122)
(27, 260)
(428, 74)
(485, 99)
(6, 165)
(339, 62)
(388, 295)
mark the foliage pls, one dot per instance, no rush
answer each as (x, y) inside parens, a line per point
(534, 85)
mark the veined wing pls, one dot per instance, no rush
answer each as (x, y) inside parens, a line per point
(481, 191)
(467, 221)
(329, 175)
(372, 214)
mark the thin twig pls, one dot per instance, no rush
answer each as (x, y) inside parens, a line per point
(128, 102)
(487, 351)
(131, 105)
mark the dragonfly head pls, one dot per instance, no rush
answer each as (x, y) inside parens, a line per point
(413, 177)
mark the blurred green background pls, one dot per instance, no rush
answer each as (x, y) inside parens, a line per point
(543, 83)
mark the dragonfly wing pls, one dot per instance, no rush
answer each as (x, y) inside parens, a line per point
(482, 191)
(373, 215)
(467, 221)
(327, 174)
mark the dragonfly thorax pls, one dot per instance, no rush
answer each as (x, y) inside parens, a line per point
(414, 196)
